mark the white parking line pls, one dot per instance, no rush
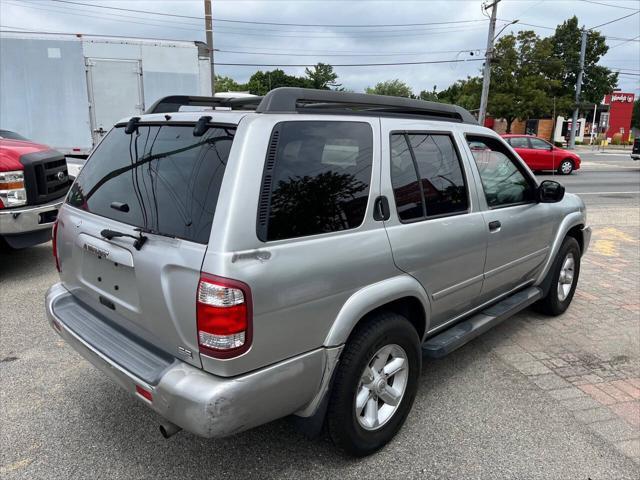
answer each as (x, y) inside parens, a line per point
(635, 192)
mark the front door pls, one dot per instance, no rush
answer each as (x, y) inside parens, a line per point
(115, 92)
(519, 229)
(437, 235)
(544, 154)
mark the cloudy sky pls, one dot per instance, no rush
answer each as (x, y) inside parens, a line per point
(340, 32)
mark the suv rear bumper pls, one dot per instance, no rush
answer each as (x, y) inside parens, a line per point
(199, 402)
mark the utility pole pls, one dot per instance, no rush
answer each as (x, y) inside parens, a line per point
(208, 25)
(486, 76)
(574, 119)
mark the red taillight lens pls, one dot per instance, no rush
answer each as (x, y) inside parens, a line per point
(224, 316)
(54, 243)
(146, 394)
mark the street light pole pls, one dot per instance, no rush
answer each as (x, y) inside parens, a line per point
(208, 25)
(486, 76)
(574, 118)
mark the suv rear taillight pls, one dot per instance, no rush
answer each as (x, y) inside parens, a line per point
(224, 316)
(54, 243)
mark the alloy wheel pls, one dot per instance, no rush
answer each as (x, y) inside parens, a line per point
(381, 387)
(565, 280)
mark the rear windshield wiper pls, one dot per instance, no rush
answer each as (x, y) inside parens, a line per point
(139, 241)
(153, 232)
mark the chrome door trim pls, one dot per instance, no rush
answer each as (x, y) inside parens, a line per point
(515, 262)
(454, 288)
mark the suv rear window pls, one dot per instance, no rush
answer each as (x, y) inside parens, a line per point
(168, 178)
(316, 179)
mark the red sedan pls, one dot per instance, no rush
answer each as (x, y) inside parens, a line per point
(539, 154)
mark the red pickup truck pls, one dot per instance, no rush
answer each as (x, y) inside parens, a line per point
(33, 183)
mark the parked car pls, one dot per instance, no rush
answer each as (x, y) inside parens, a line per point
(33, 180)
(635, 151)
(539, 154)
(298, 254)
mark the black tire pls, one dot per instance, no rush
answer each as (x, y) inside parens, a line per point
(5, 247)
(551, 304)
(379, 331)
(569, 167)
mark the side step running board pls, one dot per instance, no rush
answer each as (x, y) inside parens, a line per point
(449, 340)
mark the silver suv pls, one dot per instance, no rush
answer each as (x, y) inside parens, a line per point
(298, 254)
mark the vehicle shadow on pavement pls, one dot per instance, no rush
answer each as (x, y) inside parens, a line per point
(27, 262)
(120, 425)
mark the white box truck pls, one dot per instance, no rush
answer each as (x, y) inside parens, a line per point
(67, 91)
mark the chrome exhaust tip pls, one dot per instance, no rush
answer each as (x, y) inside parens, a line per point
(168, 429)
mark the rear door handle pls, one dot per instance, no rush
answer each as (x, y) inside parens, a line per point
(494, 226)
(381, 210)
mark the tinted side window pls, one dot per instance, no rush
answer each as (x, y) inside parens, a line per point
(503, 181)
(440, 172)
(519, 142)
(404, 178)
(168, 178)
(539, 144)
(432, 159)
(316, 179)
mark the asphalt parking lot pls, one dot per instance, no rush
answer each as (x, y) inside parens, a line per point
(534, 398)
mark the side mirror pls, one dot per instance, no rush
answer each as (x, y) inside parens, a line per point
(550, 192)
(551, 147)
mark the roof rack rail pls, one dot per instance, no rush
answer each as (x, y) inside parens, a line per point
(172, 103)
(306, 100)
(298, 100)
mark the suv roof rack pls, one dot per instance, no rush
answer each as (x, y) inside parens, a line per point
(299, 100)
(306, 100)
(172, 103)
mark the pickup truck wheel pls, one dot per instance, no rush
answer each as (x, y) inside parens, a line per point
(565, 272)
(566, 167)
(375, 384)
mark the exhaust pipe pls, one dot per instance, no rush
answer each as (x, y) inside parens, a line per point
(168, 429)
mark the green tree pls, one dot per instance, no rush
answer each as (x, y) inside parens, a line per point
(431, 96)
(565, 63)
(465, 93)
(530, 75)
(322, 77)
(394, 88)
(517, 88)
(228, 84)
(261, 82)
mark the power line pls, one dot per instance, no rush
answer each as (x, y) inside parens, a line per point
(545, 27)
(269, 23)
(262, 33)
(343, 54)
(99, 17)
(340, 52)
(615, 20)
(627, 41)
(528, 24)
(608, 5)
(347, 64)
(339, 34)
(228, 29)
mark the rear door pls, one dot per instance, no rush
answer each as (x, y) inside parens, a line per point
(161, 179)
(436, 233)
(115, 91)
